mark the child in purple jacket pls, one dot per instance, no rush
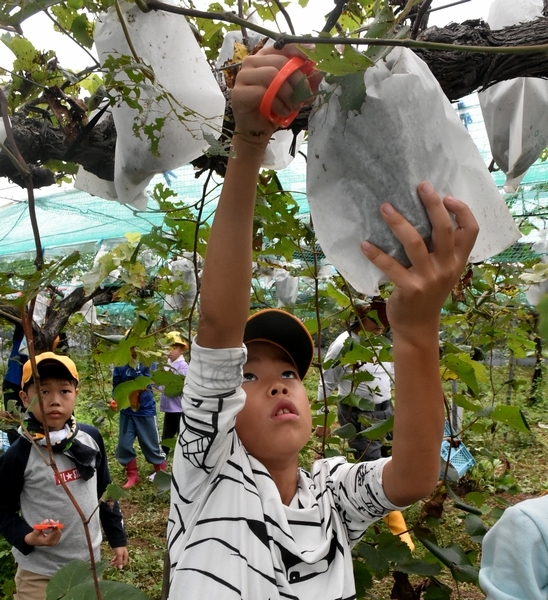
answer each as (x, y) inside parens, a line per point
(171, 405)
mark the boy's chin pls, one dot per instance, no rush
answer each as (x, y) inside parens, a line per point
(56, 425)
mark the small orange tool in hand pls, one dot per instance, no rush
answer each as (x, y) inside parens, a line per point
(292, 65)
(50, 524)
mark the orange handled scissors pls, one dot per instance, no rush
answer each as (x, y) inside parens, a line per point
(292, 65)
(48, 525)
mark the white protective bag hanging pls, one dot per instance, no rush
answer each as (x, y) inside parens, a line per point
(515, 111)
(278, 153)
(41, 306)
(102, 188)
(287, 287)
(407, 132)
(165, 42)
(88, 310)
(94, 185)
(183, 272)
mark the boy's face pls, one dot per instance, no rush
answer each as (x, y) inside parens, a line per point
(275, 423)
(58, 397)
(175, 352)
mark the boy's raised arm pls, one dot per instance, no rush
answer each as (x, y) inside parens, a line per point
(414, 312)
(413, 308)
(226, 280)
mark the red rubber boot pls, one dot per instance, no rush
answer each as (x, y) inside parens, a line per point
(160, 467)
(132, 474)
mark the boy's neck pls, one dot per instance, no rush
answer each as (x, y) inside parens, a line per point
(285, 478)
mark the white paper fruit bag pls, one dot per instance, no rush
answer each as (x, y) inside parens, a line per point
(287, 287)
(184, 272)
(165, 42)
(407, 132)
(279, 152)
(515, 111)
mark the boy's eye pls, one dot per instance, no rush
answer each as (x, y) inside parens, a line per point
(289, 375)
(249, 377)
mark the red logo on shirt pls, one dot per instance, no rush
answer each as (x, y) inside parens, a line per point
(68, 476)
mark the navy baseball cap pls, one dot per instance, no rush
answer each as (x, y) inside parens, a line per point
(284, 330)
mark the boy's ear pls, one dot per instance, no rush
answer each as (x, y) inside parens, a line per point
(24, 398)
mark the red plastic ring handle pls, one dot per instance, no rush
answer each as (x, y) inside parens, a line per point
(292, 65)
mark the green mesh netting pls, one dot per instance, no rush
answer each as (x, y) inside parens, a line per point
(118, 314)
(70, 220)
(517, 253)
(307, 256)
(74, 219)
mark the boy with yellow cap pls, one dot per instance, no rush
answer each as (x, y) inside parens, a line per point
(171, 405)
(246, 522)
(33, 500)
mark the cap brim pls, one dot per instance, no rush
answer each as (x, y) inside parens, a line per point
(284, 330)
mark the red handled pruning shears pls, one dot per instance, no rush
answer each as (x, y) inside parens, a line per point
(292, 65)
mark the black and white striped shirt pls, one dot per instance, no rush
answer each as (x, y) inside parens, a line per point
(229, 534)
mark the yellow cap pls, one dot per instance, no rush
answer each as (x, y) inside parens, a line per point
(174, 337)
(65, 361)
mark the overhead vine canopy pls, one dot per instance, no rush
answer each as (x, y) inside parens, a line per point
(58, 120)
(51, 109)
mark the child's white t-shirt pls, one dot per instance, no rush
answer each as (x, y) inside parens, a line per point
(229, 534)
